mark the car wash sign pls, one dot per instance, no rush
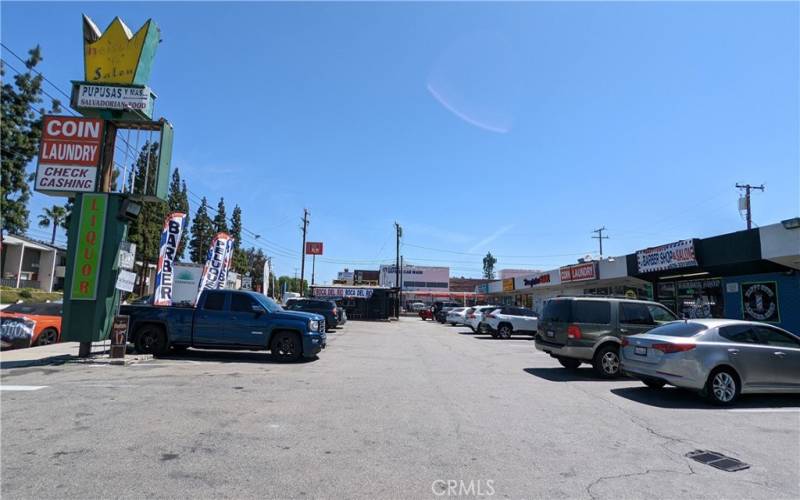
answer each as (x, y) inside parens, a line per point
(670, 256)
(69, 155)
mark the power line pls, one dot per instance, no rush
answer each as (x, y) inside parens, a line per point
(43, 91)
(35, 71)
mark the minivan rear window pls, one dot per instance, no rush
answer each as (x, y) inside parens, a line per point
(678, 329)
(591, 311)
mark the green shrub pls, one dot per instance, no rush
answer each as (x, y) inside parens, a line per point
(25, 294)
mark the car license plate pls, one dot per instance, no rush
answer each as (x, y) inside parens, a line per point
(550, 334)
(641, 351)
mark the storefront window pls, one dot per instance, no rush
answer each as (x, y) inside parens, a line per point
(698, 298)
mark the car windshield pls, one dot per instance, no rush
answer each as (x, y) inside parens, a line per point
(679, 329)
(268, 304)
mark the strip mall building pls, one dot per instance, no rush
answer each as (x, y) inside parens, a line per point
(752, 274)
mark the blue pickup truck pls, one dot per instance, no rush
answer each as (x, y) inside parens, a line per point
(227, 319)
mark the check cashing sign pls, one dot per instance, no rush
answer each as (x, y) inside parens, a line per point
(69, 155)
(91, 228)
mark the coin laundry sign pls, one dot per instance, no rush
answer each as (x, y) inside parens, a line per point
(68, 155)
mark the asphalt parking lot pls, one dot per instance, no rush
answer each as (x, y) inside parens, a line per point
(388, 410)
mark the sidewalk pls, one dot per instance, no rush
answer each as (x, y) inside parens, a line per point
(43, 355)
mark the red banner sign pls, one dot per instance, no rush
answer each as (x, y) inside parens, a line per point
(69, 154)
(579, 272)
(313, 248)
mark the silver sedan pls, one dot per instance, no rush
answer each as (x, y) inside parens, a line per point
(720, 358)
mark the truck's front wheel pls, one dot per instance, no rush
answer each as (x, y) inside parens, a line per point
(151, 339)
(286, 347)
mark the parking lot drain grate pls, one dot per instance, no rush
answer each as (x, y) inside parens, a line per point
(718, 460)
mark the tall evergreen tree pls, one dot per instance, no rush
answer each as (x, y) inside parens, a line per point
(178, 202)
(488, 266)
(221, 219)
(184, 195)
(21, 130)
(174, 197)
(202, 233)
(236, 227)
(239, 262)
(145, 230)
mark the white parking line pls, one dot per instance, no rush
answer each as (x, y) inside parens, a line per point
(766, 410)
(21, 387)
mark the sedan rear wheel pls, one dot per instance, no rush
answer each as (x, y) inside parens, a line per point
(722, 387)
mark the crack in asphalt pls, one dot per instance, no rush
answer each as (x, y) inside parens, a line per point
(597, 481)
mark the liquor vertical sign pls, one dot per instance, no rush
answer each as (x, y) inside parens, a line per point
(91, 228)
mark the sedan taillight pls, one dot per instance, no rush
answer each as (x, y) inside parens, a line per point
(669, 348)
(625, 342)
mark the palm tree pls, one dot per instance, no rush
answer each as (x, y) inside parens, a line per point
(58, 214)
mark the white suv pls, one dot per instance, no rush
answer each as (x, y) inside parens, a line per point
(457, 316)
(475, 317)
(507, 320)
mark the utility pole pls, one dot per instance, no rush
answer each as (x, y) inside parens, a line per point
(313, 267)
(303, 251)
(398, 234)
(402, 278)
(747, 188)
(600, 237)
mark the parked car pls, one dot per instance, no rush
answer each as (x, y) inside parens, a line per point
(719, 358)
(577, 330)
(426, 314)
(30, 324)
(326, 308)
(440, 310)
(509, 320)
(416, 306)
(476, 317)
(227, 319)
(340, 312)
(457, 316)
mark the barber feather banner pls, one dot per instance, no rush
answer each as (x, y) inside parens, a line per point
(170, 240)
(218, 260)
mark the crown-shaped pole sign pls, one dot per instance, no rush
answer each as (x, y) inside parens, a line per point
(117, 55)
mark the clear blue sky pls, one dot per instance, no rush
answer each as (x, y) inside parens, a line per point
(516, 128)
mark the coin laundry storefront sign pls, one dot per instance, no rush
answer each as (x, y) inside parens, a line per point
(69, 155)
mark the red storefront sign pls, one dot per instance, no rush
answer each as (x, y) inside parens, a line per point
(69, 154)
(313, 248)
(579, 272)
